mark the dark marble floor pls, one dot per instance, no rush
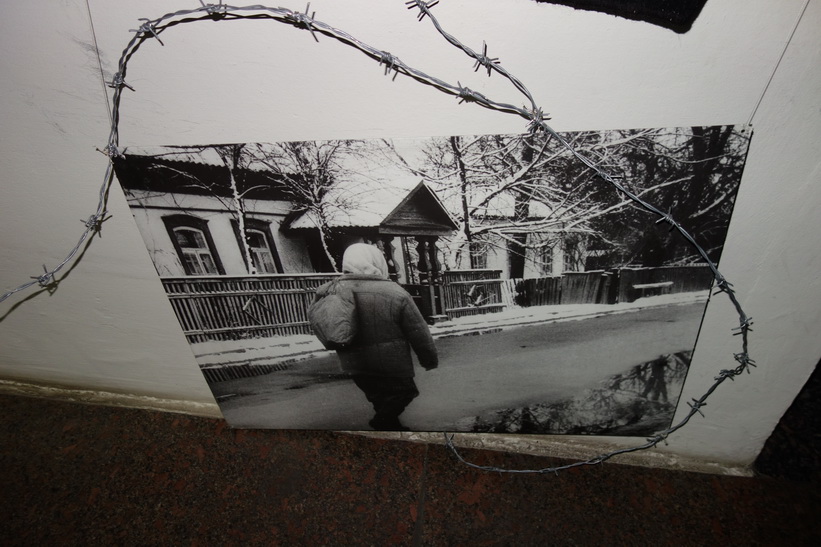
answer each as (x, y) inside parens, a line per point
(76, 474)
(793, 451)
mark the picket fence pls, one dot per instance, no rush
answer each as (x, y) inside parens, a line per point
(234, 308)
(242, 307)
(604, 287)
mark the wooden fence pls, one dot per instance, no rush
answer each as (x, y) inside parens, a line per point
(570, 288)
(600, 287)
(585, 287)
(472, 292)
(541, 291)
(682, 279)
(232, 308)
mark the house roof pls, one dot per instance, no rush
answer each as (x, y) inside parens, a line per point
(369, 196)
(192, 170)
(399, 206)
(199, 155)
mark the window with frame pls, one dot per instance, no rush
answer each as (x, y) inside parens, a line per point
(546, 260)
(261, 246)
(478, 255)
(572, 254)
(194, 246)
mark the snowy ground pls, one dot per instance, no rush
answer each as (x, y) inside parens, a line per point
(573, 371)
(291, 349)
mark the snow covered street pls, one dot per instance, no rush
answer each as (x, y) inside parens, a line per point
(488, 363)
(287, 350)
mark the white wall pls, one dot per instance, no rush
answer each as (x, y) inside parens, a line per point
(148, 209)
(109, 327)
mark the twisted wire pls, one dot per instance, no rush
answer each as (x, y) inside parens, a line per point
(151, 29)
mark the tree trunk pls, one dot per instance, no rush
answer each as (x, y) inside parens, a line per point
(463, 196)
(233, 168)
(517, 248)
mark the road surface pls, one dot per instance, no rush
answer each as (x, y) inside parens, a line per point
(523, 365)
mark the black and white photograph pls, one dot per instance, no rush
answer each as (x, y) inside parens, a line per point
(480, 283)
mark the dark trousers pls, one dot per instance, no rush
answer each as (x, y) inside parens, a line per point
(389, 397)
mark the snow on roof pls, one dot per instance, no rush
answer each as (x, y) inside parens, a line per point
(360, 201)
(363, 197)
(198, 155)
(204, 155)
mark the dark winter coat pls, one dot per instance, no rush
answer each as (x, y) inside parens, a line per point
(389, 325)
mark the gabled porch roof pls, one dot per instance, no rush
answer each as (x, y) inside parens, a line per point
(388, 209)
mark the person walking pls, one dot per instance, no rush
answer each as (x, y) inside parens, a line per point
(389, 325)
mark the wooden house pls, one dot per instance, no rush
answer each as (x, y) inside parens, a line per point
(204, 221)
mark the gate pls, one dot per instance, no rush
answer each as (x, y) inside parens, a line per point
(471, 292)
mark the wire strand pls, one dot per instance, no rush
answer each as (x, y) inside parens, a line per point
(99, 61)
(778, 63)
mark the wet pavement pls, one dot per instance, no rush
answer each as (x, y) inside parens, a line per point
(535, 363)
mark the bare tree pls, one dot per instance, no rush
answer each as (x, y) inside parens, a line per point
(309, 171)
(307, 174)
(231, 156)
(507, 186)
(696, 172)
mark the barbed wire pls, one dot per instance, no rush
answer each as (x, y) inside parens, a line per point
(537, 122)
(151, 29)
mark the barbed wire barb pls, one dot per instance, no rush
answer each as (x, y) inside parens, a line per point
(484, 61)
(94, 223)
(722, 285)
(668, 218)
(148, 28)
(744, 327)
(303, 20)
(424, 7)
(111, 151)
(466, 95)
(118, 82)
(46, 279)
(697, 405)
(390, 64)
(216, 11)
(537, 120)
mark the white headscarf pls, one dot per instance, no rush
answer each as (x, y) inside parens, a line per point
(364, 259)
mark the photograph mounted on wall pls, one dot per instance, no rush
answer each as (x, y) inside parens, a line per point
(486, 283)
